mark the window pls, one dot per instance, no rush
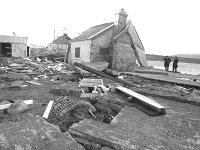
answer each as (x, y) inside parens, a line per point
(77, 52)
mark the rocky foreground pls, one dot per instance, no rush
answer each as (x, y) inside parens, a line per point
(114, 123)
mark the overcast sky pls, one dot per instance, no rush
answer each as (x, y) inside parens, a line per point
(165, 27)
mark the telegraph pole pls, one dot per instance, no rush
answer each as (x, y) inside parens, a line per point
(54, 34)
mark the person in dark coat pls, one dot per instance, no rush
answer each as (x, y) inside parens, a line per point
(167, 61)
(175, 64)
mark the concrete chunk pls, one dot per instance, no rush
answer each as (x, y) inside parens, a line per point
(34, 133)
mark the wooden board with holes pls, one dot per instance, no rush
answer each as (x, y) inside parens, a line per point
(143, 99)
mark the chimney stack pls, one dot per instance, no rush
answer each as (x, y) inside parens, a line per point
(122, 19)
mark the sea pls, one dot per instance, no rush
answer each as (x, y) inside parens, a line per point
(185, 68)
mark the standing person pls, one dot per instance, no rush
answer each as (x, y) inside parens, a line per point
(167, 61)
(175, 64)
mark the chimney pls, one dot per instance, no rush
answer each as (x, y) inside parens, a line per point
(122, 19)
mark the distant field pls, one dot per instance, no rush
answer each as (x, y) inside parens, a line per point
(181, 59)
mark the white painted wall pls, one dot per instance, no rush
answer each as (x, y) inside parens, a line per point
(84, 51)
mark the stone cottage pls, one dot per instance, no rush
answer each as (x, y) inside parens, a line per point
(116, 43)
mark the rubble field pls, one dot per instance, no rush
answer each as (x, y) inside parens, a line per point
(92, 114)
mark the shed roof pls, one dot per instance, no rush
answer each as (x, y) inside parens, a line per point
(13, 39)
(93, 31)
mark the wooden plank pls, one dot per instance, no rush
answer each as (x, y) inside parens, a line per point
(33, 82)
(145, 100)
(28, 102)
(47, 110)
(5, 106)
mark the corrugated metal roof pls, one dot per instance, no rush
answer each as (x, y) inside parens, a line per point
(13, 39)
(92, 31)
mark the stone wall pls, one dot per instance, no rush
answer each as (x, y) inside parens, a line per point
(100, 48)
(123, 55)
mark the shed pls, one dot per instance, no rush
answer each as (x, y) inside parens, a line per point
(13, 46)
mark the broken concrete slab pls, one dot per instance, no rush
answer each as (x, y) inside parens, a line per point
(67, 89)
(103, 134)
(32, 132)
(89, 95)
(132, 129)
(87, 82)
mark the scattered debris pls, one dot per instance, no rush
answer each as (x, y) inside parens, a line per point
(81, 96)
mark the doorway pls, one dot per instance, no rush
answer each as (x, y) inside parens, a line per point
(28, 51)
(6, 49)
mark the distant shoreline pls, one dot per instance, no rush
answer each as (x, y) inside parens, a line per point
(153, 57)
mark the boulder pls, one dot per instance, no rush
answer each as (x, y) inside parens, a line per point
(17, 107)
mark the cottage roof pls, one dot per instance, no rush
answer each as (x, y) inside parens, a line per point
(64, 39)
(93, 31)
(130, 29)
(13, 39)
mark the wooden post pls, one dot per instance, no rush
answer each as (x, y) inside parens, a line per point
(99, 73)
(67, 54)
